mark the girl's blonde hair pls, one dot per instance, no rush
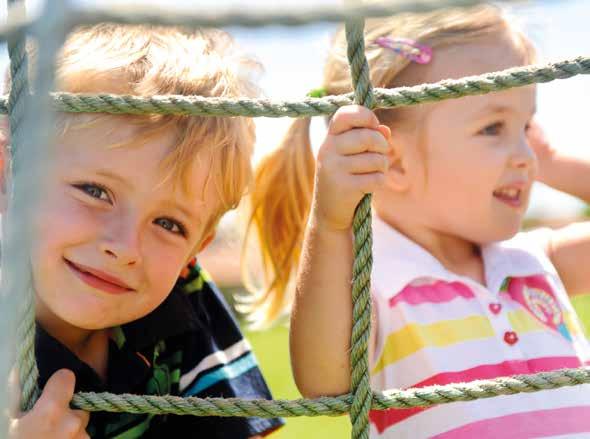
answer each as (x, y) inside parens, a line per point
(284, 180)
(146, 60)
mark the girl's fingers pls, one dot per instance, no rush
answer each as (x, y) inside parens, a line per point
(361, 140)
(368, 183)
(352, 116)
(366, 163)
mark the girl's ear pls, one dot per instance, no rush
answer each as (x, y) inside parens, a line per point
(397, 178)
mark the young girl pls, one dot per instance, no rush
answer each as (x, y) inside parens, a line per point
(458, 293)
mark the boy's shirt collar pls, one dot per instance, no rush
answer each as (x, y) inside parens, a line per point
(397, 261)
(132, 370)
(174, 316)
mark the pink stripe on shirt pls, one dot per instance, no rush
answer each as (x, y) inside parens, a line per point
(383, 419)
(435, 292)
(540, 423)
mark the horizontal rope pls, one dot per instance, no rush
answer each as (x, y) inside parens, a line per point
(221, 17)
(330, 406)
(384, 98)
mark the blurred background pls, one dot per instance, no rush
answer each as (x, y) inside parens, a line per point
(293, 60)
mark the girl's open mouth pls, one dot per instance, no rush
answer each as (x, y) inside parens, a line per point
(510, 196)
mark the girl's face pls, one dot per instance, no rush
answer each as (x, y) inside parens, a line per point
(475, 167)
(110, 235)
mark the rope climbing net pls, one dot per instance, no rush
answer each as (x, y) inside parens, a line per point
(31, 122)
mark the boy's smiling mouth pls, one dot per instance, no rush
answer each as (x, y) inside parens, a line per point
(98, 279)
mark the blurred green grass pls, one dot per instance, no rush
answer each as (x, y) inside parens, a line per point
(272, 349)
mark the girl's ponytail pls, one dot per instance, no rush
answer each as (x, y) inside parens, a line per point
(280, 202)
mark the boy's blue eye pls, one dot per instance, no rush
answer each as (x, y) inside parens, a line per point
(171, 225)
(94, 190)
(492, 129)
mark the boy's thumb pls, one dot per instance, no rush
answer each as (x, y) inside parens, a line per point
(59, 388)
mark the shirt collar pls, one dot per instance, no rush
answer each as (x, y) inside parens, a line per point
(174, 316)
(131, 369)
(397, 260)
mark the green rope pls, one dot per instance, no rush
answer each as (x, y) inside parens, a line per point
(363, 242)
(200, 17)
(19, 90)
(330, 406)
(361, 399)
(384, 98)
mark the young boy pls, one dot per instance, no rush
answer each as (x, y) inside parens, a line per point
(127, 202)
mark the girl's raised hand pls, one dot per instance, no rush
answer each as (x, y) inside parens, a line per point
(352, 162)
(52, 417)
(542, 148)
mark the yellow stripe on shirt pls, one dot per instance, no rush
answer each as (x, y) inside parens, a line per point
(413, 337)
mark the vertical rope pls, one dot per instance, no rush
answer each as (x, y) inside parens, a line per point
(363, 259)
(18, 278)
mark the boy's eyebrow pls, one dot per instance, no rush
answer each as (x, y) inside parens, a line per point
(188, 213)
(109, 174)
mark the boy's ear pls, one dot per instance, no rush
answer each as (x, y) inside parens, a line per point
(397, 177)
(206, 241)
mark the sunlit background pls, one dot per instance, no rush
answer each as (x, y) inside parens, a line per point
(293, 60)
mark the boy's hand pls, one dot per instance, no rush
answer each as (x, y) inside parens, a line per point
(352, 162)
(52, 417)
(543, 150)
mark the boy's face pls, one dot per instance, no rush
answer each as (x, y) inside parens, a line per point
(111, 234)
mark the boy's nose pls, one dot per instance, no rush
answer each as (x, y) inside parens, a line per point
(124, 249)
(124, 254)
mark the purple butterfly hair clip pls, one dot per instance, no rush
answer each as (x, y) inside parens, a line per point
(412, 50)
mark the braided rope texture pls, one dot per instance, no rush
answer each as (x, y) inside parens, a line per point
(363, 244)
(361, 399)
(383, 98)
(330, 406)
(19, 90)
(220, 17)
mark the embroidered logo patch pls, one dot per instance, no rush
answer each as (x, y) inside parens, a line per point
(536, 295)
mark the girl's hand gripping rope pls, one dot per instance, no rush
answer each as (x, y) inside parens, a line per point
(351, 162)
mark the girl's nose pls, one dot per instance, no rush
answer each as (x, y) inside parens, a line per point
(524, 156)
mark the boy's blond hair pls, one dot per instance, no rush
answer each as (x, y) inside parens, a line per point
(148, 60)
(284, 180)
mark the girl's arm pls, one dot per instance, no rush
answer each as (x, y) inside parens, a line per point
(351, 162)
(569, 247)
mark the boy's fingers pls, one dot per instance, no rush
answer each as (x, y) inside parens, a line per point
(357, 141)
(59, 389)
(352, 116)
(83, 416)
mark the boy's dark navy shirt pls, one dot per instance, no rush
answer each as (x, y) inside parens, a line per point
(189, 346)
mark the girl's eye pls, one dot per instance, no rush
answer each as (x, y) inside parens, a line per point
(95, 191)
(493, 129)
(171, 225)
